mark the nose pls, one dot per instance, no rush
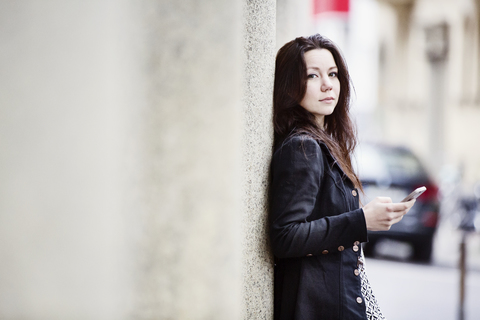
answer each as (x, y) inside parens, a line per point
(326, 84)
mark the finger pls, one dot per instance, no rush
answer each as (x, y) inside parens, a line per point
(396, 215)
(397, 219)
(402, 206)
(384, 199)
(411, 203)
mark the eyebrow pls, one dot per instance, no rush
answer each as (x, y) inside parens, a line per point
(317, 68)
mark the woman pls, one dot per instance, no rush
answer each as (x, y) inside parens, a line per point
(316, 224)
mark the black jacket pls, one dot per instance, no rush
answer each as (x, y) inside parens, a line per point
(316, 228)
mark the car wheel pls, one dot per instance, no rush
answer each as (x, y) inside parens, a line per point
(423, 249)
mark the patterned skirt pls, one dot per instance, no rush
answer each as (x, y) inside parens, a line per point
(373, 310)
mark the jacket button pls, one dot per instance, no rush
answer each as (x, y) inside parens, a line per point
(341, 248)
(359, 300)
(309, 255)
(355, 248)
(325, 251)
(354, 193)
(356, 272)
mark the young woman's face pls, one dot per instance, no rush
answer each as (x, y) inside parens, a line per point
(323, 85)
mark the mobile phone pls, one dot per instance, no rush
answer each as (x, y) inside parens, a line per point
(415, 194)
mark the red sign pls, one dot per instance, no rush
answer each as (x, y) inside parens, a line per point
(321, 6)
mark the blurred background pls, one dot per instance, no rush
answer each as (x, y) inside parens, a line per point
(136, 136)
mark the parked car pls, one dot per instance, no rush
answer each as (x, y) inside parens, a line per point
(394, 172)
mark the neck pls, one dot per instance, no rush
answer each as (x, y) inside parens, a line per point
(320, 121)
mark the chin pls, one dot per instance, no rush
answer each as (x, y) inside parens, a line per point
(329, 111)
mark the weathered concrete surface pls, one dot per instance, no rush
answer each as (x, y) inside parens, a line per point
(191, 241)
(257, 138)
(135, 143)
(121, 159)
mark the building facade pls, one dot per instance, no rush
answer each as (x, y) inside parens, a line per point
(429, 82)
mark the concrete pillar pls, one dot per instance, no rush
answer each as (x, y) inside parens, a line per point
(121, 164)
(257, 139)
(191, 242)
(65, 102)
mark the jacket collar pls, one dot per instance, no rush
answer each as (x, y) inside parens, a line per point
(332, 159)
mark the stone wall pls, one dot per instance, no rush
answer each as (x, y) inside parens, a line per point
(190, 241)
(136, 139)
(257, 138)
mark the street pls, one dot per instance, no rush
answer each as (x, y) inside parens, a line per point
(414, 291)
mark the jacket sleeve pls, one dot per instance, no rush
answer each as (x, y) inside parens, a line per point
(297, 172)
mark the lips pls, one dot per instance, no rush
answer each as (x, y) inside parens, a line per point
(329, 99)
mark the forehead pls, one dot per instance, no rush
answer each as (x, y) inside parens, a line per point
(319, 58)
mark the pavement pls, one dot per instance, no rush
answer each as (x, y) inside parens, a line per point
(413, 291)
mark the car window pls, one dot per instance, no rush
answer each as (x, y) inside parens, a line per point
(386, 164)
(369, 164)
(402, 164)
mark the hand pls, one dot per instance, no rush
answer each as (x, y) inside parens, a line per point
(381, 213)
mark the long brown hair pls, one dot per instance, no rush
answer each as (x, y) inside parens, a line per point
(289, 89)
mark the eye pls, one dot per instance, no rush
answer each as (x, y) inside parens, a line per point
(312, 76)
(333, 74)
